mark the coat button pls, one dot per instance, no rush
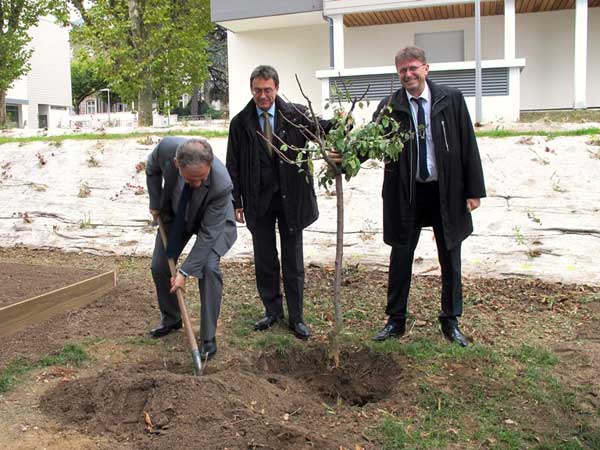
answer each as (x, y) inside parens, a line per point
(283, 196)
(281, 162)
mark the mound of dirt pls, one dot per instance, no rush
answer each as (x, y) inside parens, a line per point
(278, 403)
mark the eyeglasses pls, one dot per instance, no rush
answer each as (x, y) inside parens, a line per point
(412, 69)
(259, 91)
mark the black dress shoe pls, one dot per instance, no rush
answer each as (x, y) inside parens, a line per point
(208, 349)
(389, 331)
(266, 322)
(163, 330)
(300, 330)
(453, 334)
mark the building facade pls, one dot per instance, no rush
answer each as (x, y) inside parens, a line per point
(42, 98)
(535, 55)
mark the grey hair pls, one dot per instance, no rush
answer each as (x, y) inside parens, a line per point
(410, 53)
(266, 73)
(194, 152)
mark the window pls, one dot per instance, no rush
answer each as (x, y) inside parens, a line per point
(90, 107)
(442, 46)
(12, 116)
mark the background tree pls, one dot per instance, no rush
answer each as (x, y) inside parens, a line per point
(16, 18)
(86, 78)
(149, 49)
(216, 86)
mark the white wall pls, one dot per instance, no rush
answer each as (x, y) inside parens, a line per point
(300, 50)
(49, 81)
(547, 40)
(18, 91)
(377, 45)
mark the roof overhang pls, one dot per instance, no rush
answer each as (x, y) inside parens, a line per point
(405, 12)
(274, 22)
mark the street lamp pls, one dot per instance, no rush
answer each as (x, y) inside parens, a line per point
(108, 91)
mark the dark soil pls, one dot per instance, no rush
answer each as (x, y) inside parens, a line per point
(135, 395)
(20, 281)
(279, 408)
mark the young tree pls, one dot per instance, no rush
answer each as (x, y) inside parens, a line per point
(343, 148)
(16, 18)
(150, 49)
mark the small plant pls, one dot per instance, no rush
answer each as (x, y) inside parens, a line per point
(368, 230)
(594, 154)
(39, 187)
(86, 222)
(525, 140)
(530, 251)
(24, 216)
(556, 183)
(92, 161)
(534, 218)
(56, 144)
(84, 190)
(146, 140)
(42, 161)
(594, 141)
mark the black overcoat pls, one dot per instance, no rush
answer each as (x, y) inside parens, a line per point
(460, 175)
(243, 151)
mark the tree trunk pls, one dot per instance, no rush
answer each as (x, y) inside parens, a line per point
(145, 94)
(2, 109)
(145, 105)
(334, 334)
(207, 91)
(194, 101)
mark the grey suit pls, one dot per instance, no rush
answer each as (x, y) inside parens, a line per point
(209, 215)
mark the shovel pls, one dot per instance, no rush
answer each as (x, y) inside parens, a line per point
(187, 326)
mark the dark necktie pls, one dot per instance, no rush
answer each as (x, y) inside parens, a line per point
(423, 171)
(177, 232)
(268, 132)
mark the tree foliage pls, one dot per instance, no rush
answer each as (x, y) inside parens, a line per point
(149, 49)
(86, 78)
(16, 18)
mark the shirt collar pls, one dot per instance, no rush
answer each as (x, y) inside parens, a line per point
(426, 94)
(271, 111)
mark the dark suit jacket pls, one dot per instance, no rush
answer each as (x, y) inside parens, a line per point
(243, 162)
(209, 214)
(460, 175)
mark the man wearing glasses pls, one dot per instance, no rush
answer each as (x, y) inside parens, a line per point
(437, 181)
(269, 191)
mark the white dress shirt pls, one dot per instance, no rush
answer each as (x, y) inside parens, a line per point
(414, 108)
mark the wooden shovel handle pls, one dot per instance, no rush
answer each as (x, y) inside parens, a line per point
(185, 317)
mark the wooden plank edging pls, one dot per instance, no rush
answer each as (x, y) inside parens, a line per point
(20, 315)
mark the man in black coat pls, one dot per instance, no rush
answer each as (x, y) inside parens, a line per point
(437, 181)
(268, 190)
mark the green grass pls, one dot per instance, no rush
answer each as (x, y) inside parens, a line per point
(280, 344)
(113, 136)
(562, 116)
(71, 355)
(219, 134)
(489, 407)
(143, 340)
(548, 134)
